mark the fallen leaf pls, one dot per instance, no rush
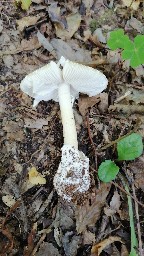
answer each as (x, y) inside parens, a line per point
(99, 34)
(88, 3)
(136, 96)
(87, 215)
(113, 56)
(47, 249)
(25, 4)
(85, 102)
(44, 42)
(30, 44)
(14, 130)
(103, 105)
(114, 205)
(37, 1)
(8, 61)
(27, 21)
(37, 124)
(98, 248)
(70, 243)
(139, 70)
(137, 167)
(136, 24)
(126, 108)
(1, 26)
(8, 200)
(73, 23)
(132, 4)
(88, 237)
(35, 177)
(55, 15)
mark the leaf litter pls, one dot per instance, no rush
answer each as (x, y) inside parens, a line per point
(35, 221)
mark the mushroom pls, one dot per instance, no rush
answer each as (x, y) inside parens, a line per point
(62, 82)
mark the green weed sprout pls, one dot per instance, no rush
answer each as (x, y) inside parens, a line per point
(128, 148)
(131, 50)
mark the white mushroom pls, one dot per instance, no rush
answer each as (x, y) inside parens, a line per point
(63, 85)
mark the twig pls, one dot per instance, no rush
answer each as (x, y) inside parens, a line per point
(46, 231)
(128, 194)
(123, 190)
(115, 141)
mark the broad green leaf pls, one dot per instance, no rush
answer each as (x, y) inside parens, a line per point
(107, 171)
(130, 147)
(136, 52)
(118, 40)
(25, 4)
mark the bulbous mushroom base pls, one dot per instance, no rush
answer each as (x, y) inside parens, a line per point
(72, 176)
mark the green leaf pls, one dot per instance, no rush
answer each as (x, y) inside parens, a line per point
(136, 52)
(118, 40)
(25, 4)
(107, 171)
(130, 147)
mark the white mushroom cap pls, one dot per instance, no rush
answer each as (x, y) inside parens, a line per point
(43, 83)
(72, 176)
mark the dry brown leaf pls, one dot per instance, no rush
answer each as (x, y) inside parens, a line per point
(55, 15)
(8, 61)
(132, 4)
(87, 215)
(73, 23)
(37, 124)
(136, 96)
(136, 24)
(44, 42)
(30, 44)
(47, 249)
(103, 105)
(14, 130)
(88, 237)
(138, 168)
(128, 109)
(98, 248)
(114, 205)
(27, 21)
(37, 1)
(1, 26)
(86, 102)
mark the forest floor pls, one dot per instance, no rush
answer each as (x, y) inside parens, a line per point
(34, 220)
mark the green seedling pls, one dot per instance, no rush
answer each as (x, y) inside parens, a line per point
(128, 148)
(131, 50)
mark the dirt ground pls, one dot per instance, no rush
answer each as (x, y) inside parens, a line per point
(34, 220)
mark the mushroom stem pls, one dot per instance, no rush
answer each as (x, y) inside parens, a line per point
(67, 116)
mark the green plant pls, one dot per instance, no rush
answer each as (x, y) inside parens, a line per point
(132, 50)
(25, 4)
(128, 148)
